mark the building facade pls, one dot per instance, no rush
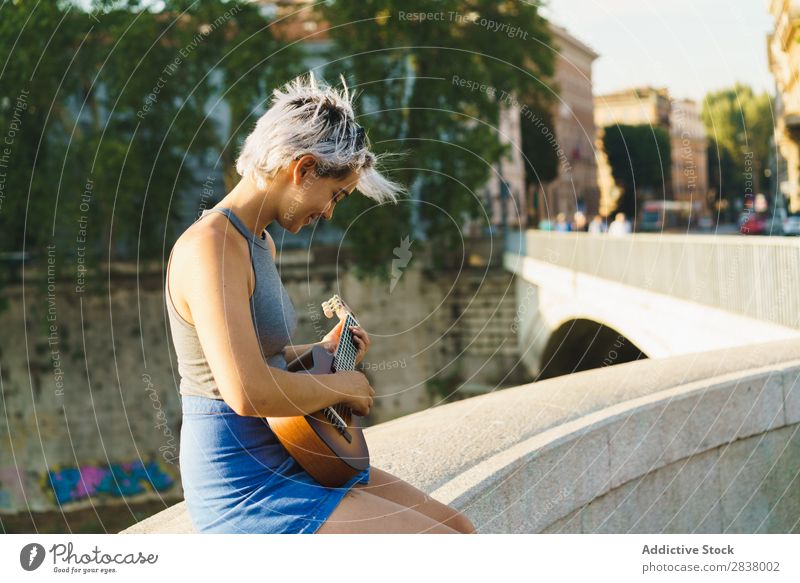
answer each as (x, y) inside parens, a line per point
(640, 105)
(505, 189)
(784, 63)
(571, 135)
(689, 153)
(680, 118)
(575, 187)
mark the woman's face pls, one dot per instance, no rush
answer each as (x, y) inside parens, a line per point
(309, 197)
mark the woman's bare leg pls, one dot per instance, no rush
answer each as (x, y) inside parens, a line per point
(362, 512)
(390, 487)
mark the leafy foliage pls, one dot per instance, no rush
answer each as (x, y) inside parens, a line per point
(541, 158)
(123, 105)
(431, 89)
(639, 156)
(739, 124)
(124, 110)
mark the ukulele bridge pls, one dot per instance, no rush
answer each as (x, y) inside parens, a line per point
(336, 420)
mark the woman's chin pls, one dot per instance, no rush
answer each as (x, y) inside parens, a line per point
(294, 227)
(298, 226)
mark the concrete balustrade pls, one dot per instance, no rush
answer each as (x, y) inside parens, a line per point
(665, 295)
(755, 277)
(705, 442)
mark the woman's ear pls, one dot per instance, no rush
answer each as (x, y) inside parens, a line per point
(303, 169)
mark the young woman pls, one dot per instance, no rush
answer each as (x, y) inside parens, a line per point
(232, 322)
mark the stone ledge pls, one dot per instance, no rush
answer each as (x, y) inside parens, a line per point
(547, 449)
(173, 520)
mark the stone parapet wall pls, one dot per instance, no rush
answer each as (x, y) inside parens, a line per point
(700, 443)
(90, 382)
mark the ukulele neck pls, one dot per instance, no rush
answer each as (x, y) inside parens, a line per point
(346, 351)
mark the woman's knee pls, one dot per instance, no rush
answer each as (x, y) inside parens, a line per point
(392, 488)
(361, 512)
(461, 523)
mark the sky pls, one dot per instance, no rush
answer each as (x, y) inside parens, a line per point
(689, 46)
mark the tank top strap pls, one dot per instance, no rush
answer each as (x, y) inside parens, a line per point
(239, 224)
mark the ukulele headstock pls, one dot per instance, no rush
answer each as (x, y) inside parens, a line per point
(336, 306)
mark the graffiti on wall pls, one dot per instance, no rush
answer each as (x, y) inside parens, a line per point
(125, 479)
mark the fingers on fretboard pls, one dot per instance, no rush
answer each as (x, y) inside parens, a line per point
(346, 352)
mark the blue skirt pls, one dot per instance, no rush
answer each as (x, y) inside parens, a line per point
(238, 478)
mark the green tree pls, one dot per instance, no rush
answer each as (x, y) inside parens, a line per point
(739, 124)
(541, 158)
(432, 89)
(539, 155)
(722, 173)
(640, 160)
(122, 106)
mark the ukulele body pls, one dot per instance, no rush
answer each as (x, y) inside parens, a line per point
(331, 456)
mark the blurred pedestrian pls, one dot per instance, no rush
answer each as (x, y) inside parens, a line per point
(561, 223)
(579, 221)
(598, 225)
(620, 226)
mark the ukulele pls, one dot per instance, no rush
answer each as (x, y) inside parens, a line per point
(328, 444)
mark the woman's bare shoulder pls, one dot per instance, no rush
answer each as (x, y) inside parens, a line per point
(207, 238)
(203, 244)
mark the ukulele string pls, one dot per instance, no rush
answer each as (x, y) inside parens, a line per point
(345, 359)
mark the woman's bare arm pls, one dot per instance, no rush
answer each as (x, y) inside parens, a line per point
(296, 351)
(215, 268)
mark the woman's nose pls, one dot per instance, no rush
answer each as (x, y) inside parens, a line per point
(328, 213)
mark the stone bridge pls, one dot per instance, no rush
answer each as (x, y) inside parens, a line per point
(589, 300)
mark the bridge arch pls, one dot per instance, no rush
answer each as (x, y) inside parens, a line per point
(580, 344)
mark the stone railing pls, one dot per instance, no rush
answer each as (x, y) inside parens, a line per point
(706, 442)
(752, 276)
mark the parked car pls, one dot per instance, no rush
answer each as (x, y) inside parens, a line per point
(705, 223)
(791, 224)
(662, 216)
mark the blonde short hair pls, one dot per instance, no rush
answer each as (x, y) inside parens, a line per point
(306, 117)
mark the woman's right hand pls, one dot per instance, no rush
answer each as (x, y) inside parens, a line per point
(359, 392)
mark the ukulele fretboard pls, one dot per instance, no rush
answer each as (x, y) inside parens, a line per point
(346, 352)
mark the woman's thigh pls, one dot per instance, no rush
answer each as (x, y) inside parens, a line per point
(385, 485)
(362, 512)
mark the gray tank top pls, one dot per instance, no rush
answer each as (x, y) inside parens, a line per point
(273, 314)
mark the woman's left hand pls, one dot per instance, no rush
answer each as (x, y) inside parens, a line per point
(360, 339)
